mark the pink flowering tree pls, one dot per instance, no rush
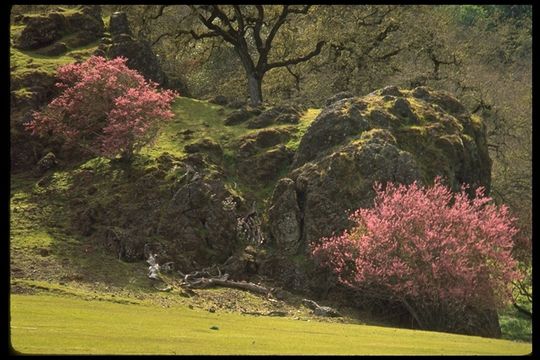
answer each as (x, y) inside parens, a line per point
(436, 252)
(104, 107)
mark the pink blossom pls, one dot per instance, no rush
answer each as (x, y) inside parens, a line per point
(105, 107)
(429, 245)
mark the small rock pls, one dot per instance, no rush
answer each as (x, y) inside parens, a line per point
(47, 162)
(214, 327)
(391, 90)
(212, 309)
(55, 49)
(339, 96)
(219, 100)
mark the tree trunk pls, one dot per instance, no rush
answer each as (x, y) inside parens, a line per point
(255, 89)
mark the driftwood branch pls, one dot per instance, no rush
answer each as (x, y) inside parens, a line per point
(269, 313)
(205, 279)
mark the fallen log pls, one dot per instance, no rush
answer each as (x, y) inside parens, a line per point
(204, 279)
(204, 283)
(270, 313)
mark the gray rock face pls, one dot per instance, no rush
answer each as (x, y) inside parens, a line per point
(342, 181)
(388, 135)
(187, 216)
(40, 31)
(284, 217)
(46, 163)
(332, 126)
(55, 49)
(339, 96)
(264, 165)
(140, 57)
(119, 24)
(212, 149)
(276, 115)
(391, 90)
(240, 116)
(139, 53)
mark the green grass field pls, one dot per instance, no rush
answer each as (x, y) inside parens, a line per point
(44, 324)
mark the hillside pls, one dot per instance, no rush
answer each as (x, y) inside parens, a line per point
(227, 187)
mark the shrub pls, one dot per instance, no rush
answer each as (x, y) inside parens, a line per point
(104, 107)
(438, 253)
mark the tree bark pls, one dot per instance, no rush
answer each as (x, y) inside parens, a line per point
(255, 89)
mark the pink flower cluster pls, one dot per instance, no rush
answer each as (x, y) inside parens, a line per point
(429, 245)
(104, 107)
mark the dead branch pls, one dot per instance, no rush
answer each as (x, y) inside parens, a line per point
(204, 279)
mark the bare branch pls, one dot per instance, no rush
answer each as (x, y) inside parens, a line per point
(315, 52)
(208, 22)
(388, 55)
(275, 28)
(240, 18)
(160, 12)
(257, 28)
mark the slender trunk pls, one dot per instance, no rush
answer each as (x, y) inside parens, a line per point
(414, 314)
(127, 154)
(255, 89)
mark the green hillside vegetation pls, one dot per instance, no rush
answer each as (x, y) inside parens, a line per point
(48, 257)
(71, 293)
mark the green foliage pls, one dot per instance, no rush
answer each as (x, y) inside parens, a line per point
(467, 15)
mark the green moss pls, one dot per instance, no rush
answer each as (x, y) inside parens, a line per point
(431, 159)
(201, 117)
(22, 93)
(305, 121)
(23, 63)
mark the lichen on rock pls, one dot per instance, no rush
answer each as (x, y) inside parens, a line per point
(392, 134)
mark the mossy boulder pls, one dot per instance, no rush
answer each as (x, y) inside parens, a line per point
(212, 149)
(44, 29)
(241, 115)
(262, 156)
(282, 114)
(119, 24)
(388, 135)
(339, 96)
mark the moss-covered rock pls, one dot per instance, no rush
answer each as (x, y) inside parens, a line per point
(389, 135)
(283, 114)
(176, 205)
(44, 29)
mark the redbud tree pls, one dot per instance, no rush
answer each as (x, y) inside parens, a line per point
(104, 107)
(435, 251)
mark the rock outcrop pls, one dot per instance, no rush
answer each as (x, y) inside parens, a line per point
(389, 135)
(82, 26)
(262, 156)
(178, 207)
(276, 115)
(138, 52)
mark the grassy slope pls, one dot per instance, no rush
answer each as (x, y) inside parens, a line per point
(49, 324)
